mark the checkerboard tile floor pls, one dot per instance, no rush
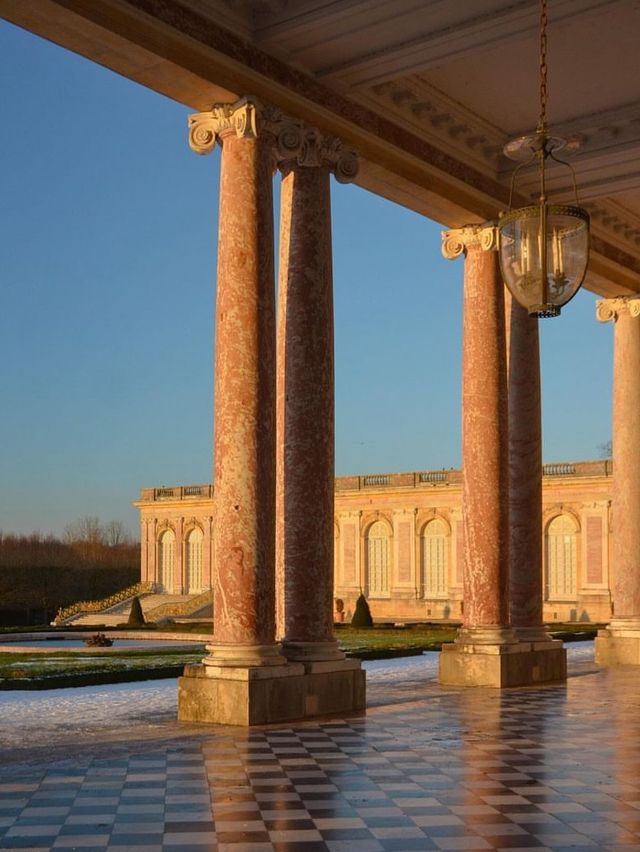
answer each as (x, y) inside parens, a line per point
(551, 768)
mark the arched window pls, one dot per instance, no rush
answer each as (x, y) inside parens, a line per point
(561, 559)
(378, 559)
(166, 550)
(434, 559)
(193, 552)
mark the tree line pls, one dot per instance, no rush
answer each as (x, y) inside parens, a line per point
(41, 573)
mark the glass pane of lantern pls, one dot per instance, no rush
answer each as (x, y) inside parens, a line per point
(567, 249)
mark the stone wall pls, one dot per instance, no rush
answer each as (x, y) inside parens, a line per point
(398, 536)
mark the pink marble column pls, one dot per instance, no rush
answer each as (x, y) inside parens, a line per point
(484, 439)
(306, 452)
(626, 470)
(525, 474)
(244, 417)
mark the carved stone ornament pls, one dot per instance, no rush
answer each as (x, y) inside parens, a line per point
(293, 142)
(247, 118)
(459, 240)
(205, 127)
(320, 150)
(610, 309)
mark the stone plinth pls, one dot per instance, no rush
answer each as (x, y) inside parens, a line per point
(468, 663)
(619, 644)
(267, 694)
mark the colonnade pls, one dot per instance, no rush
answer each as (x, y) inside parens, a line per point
(274, 447)
(273, 428)
(503, 641)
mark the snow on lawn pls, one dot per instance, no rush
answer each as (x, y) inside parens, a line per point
(35, 718)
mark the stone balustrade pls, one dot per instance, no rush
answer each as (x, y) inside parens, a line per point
(414, 479)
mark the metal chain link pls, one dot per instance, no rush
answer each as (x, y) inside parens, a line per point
(542, 122)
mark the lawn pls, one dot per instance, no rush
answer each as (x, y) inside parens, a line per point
(77, 668)
(69, 668)
(379, 642)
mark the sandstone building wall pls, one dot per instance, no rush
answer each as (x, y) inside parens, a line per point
(398, 537)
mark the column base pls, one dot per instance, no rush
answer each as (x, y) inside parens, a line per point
(619, 643)
(244, 656)
(309, 652)
(263, 695)
(501, 664)
(534, 635)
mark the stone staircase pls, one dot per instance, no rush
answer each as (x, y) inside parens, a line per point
(119, 613)
(193, 606)
(95, 619)
(155, 607)
(149, 602)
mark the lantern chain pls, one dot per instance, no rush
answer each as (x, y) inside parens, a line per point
(542, 123)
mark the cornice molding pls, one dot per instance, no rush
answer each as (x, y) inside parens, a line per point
(620, 225)
(421, 107)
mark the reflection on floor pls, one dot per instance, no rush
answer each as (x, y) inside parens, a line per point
(452, 769)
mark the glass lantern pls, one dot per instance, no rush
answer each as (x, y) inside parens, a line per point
(544, 251)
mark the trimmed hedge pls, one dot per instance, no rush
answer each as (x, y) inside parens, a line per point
(362, 614)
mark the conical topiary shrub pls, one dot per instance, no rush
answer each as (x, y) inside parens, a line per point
(362, 614)
(136, 616)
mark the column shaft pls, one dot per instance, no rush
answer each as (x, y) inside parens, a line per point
(306, 391)
(619, 643)
(484, 443)
(487, 651)
(525, 471)
(244, 421)
(626, 470)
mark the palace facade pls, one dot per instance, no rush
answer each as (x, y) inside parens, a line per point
(398, 537)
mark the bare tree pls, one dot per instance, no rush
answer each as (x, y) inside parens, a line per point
(86, 536)
(114, 534)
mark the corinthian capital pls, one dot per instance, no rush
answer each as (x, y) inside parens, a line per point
(460, 240)
(611, 309)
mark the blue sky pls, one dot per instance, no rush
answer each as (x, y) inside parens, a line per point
(107, 277)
